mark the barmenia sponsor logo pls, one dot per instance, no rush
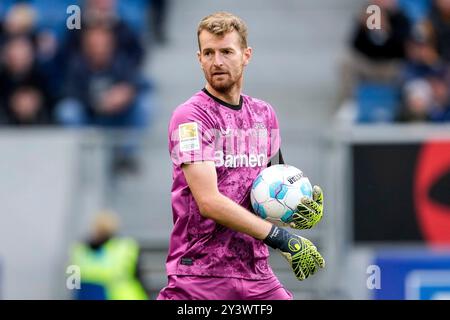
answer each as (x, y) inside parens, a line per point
(239, 160)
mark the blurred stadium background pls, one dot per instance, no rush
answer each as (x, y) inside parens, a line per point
(363, 113)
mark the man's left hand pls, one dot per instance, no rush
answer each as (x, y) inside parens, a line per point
(309, 211)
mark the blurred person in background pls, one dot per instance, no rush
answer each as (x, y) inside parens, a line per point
(24, 94)
(425, 77)
(417, 102)
(20, 20)
(440, 85)
(422, 57)
(110, 265)
(104, 89)
(104, 12)
(375, 55)
(101, 81)
(426, 99)
(440, 21)
(24, 19)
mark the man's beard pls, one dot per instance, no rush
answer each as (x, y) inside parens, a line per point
(223, 86)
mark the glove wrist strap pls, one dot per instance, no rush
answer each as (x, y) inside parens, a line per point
(277, 238)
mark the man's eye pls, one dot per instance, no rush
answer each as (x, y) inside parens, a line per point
(207, 53)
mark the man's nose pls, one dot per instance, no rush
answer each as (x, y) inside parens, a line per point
(218, 60)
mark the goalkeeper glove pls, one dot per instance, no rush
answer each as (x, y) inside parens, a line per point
(301, 253)
(309, 211)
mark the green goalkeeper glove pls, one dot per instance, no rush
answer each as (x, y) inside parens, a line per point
(309, 211)
(301, 253)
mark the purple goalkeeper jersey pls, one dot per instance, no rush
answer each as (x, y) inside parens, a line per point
(241, 140)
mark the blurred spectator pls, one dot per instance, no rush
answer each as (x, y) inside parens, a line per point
(422, 57)
(102, 88)
(110, 265)
(440, 20)
(104, 12)
(20, 20)
(418, 99)
(439, 82)
(428, 57)
(375, 54)
(426, 99)
(24, 95)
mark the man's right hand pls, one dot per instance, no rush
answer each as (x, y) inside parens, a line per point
(301, 253)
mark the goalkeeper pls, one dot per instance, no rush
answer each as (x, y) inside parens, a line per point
(219, 141)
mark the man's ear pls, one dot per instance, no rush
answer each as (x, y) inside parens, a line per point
(248, 52)
(199, 59)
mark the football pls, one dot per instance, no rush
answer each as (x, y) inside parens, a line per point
(277, 191)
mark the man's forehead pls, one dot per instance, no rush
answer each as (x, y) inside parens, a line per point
(213, 41)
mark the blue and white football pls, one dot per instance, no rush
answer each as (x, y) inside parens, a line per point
(277, 191)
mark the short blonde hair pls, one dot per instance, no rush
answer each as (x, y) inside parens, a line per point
(105, 223)
(221, 23)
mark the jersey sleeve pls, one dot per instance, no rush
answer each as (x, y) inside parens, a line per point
(191, 135)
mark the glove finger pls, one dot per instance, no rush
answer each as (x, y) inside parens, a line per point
(295, 263)
(308, 209)
(297, 268)
(310, 204)
(306, 261)
(304, 266)
(301, 274)
(300, 225)
(318, 194)
(319, 260)
(315, 259)
(301, 215)
(299, 221)
(311, 265)
(300, 266)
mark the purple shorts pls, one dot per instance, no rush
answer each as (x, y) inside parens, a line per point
(214, 288)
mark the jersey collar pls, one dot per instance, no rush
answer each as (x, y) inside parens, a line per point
(225, 104)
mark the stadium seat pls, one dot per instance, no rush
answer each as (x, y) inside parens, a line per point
(377, 102)
(52, 14)
(415, 10)
(4, 7)
(134, 12)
